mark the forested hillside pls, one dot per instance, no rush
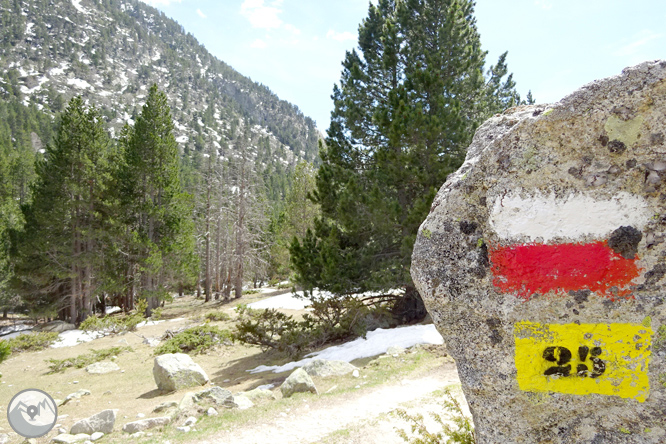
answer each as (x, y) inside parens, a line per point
(111, 51)
(231, 149)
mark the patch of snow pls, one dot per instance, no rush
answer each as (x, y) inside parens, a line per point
(112, 309)
(80, 84)
(266, 387)
(71, 338)
(59, 71)
(28, 29)
(177, 319)
(77, 5)
(105, 93)
(375, 343)
(182, 139)
(145, 323)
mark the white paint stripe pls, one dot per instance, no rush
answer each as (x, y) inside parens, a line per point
(549, 217)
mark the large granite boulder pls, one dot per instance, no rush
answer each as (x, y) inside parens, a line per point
(298, 382)
(324, 368)
(177, 370)
(542, 264)
(99, 422)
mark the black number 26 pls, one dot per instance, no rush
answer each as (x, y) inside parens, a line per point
(562, 356)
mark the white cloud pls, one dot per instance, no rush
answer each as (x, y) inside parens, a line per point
(340, 36)
(201, 14)
(639, 40)
(260, 15)
(292, 28)
(258, 44)
(160, 2)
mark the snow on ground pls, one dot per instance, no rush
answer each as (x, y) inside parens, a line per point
(375, 343)
(71, 338)
(79, 83)
(285, 301)
(112, 309)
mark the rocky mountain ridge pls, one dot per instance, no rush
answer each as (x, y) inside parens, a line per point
(111, 51)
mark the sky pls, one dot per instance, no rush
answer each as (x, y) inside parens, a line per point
(296, 47)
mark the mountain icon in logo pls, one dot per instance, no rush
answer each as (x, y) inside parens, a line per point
(32, 413)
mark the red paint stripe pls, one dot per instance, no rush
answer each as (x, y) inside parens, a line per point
(535, 268)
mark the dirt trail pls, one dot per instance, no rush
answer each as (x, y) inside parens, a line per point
(316, 419)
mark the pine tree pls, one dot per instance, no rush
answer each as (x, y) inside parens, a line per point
(158, 213)
(408, 103)
(60, 260)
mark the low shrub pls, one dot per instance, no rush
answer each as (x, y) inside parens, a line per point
(331, 319)
(251, 291)
(194, 340)
(5, 350)
(117, 324)
(58, 365)
(462, 433)
(32, 341)
(217, 316)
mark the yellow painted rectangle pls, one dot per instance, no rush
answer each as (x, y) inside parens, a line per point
(607, 359)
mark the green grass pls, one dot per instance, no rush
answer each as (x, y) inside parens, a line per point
(60, 365)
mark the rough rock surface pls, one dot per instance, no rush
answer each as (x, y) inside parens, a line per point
(243, 402)
(298, 382)
(102, 368)
(217, 396)
(176, 371)
(99, 422)
(259, 395)
(324, 368)
(542, 264)
(145, 424)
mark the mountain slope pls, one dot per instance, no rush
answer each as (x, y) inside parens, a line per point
(111, 51)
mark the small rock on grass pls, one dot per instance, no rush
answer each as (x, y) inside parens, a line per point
(66, 438)
(190, 421)
(95, 436)
(165, 406)
(211, 412)
(299, 381)
(184, 429)
(243, 402)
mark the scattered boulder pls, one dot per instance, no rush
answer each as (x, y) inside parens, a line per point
(542, 264)
(216, 395)
(298, 382)
(99, 422)
(102, 368)
(175, 371)
(66, 438)
(152, 342)
(323, 368)
(184, 429)
(145, 424)
(258, 395)
(243, 402)
(356, 373)
(190, 421)
(165, 406)
(4, 438)
(211, 412)
(76, 395)
(95, 436)
(55, 326)
(187, 402)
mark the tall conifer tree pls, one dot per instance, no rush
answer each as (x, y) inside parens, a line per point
(158, 213)
(408, 103)
(65, 224)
